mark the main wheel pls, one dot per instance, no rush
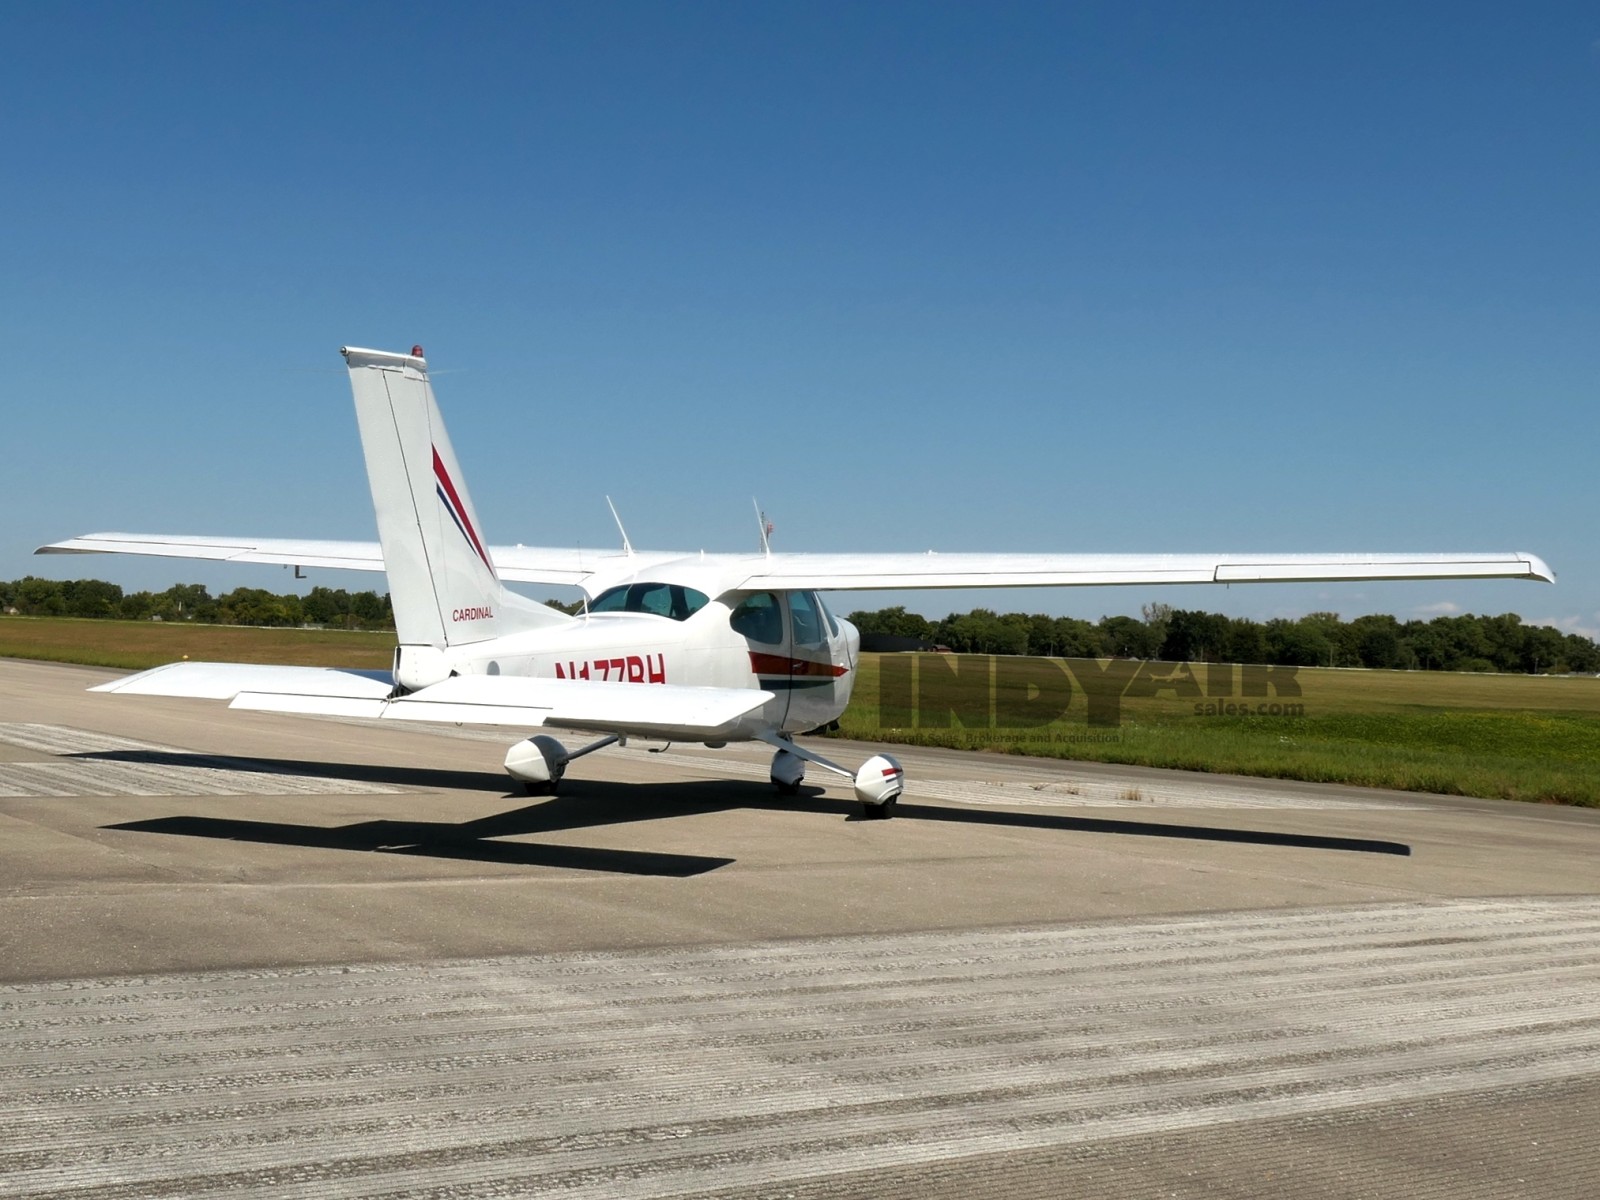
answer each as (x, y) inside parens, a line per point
(788, 772)
(878, 812)
(547, 788)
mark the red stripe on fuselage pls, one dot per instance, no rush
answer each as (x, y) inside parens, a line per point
(777, 664)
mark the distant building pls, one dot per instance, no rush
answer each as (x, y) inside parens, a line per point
(888, 643)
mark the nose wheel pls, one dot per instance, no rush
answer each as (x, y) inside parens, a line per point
(878, 782)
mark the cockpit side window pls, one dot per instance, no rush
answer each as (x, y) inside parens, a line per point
(807, 620)
(658, 599)
(759, 618)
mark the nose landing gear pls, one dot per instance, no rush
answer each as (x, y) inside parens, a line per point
(878, 783)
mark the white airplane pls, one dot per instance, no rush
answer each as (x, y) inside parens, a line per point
(709, 648)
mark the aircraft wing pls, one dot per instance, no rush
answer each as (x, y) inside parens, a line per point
(346, 556)
(642, 710)
(515, 564)
(847, 572)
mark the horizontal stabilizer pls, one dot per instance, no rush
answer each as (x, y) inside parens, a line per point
(224, 681)
(643, 710)
(646, 710)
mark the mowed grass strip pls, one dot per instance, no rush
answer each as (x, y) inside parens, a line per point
(140, 644)
(1514, 737)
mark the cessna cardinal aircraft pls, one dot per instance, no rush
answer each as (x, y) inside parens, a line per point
(708, 648)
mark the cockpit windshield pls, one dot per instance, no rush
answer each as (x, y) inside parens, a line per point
(658, 599)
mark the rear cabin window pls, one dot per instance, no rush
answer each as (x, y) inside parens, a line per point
(759, 618)
(827, 615)
(658, 599)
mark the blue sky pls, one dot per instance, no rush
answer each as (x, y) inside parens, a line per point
(1166, 277)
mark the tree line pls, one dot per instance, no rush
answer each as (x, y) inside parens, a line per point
(1455, 643)
(332, 608)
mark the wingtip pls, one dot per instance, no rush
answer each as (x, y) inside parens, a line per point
(1537, 568)
(87, 543)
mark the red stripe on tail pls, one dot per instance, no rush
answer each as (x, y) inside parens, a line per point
(443, 477)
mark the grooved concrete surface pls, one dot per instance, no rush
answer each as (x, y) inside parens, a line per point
(289, 957)
(76, 762)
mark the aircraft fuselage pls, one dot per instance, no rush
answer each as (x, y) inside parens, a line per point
(794, 649)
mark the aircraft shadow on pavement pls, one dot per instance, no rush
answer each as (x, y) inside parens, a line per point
(1159, 829)
(473, 840)
(588, 803)
(431, 839)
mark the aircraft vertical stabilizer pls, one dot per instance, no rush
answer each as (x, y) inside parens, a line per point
(442, 580)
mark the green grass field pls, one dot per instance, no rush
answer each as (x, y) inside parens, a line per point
(1515, 737)
(140, 644)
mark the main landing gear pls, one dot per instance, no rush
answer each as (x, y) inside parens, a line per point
(878, 783)
(788, 772)
(540, 762)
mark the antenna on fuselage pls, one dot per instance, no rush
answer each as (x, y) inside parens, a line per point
(765, 526)
(627, 546)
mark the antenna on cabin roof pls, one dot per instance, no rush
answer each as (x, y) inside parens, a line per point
(627, 546)
(765, 526)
